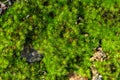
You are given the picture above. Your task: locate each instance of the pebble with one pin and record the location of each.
(31, 55)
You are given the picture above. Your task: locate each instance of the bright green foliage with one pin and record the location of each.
(67, 42)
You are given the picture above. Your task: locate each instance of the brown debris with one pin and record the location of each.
(95, 74)
(5, 5)
(76, 77)
(2, 7)
(99, 55)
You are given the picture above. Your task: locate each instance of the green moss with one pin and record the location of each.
(66, 32)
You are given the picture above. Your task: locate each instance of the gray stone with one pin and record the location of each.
(31, 55)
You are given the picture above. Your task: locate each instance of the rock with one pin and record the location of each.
(31, 55)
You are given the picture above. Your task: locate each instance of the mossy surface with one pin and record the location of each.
(66, 31)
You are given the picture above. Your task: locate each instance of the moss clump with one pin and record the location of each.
(66, 31)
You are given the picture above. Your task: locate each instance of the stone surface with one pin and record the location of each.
(31, 55)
